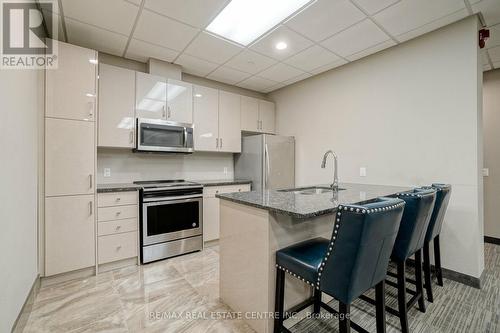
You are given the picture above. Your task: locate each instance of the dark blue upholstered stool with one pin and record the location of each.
(443, 194)
(353, 261)
(410, 240)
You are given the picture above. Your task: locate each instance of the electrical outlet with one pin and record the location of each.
(362, 172)
(486, 172)
(107, 172)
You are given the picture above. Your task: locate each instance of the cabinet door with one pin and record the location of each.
(211, 218)
(69, 157)
(229, 122)
(206, 118)
(249, 114)
(150, 96)
(69, 233)
(116, 107)
(71, 88)
(267, 117)
(179, 101)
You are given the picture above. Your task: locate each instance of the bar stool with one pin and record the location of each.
(443, 194)
(353, 261)
(419, 204)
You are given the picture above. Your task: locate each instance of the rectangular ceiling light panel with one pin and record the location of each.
(243, 21)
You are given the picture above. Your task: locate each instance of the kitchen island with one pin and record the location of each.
(254, 225)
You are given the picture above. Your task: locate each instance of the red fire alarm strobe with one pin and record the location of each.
(484, 34)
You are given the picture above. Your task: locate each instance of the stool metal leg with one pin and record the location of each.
(403, 311)
(418, 280)
(317, 301)
(437, 261)
(427, 273)
(279, 300)
(344, 318)
(380, 306)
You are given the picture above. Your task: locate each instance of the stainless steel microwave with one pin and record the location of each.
(155, 135)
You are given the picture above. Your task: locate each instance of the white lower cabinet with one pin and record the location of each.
(117, 226)
(211, 212)
(69, 233)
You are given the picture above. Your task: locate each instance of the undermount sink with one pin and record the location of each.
(310, 190)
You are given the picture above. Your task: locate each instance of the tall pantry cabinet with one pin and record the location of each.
(70, 160)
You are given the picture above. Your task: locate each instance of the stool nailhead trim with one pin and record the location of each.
(334, 237)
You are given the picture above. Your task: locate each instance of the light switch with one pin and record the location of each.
(362, 172)
(486, 172)
(107, 172)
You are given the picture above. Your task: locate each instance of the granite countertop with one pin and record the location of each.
(303, 206)
(123, 187)
(222, 182)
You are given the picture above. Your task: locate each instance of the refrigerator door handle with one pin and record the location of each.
(266, 152)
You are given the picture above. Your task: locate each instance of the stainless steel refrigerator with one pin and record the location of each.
(267, 160)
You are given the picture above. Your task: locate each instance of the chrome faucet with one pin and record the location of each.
(335, 184)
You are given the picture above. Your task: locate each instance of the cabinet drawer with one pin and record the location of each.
(117, 247)
(212, 191)
(116, 213)
(117, 199)
(117, 227)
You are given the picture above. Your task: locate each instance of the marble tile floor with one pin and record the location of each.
(180, 294)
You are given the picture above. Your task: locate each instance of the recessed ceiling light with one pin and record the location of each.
(243, 21)
(198, 95)
(281, 46)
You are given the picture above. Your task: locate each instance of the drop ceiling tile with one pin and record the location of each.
(325, 18)
(355, 39)
(228, 75)
(114, 15)
(211, 48)
(494, 53)
(280, 73)
(374, 6)
(311, 58)
(95, 38)
(195, 66)
(163, 31)
(329, 66)
(410, 14)
(250, 62)
(496, 64)
(257, 83)
(142, 51)
(273, 88)
(490, 10)
(295, 42)
(434, 25)
(297, 78)
(486, 67)
(371, 50)
(494, 39)
(194, 12)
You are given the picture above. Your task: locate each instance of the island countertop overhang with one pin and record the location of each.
(305, 206)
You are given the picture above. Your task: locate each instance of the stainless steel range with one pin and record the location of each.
(171, 218)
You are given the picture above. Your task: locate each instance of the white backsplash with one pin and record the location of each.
(127, 166)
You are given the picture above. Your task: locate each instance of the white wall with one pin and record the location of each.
(411, 115)
(21, 96)
(128, 167)
(491, 90)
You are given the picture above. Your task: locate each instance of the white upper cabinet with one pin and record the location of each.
(206, 118)
(249, 114)
(71, 88)
(267, 117)
(116, 107)
(179, 101)
(150, 96)
(229, 122)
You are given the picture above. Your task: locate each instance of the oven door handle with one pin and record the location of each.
(181, 197)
